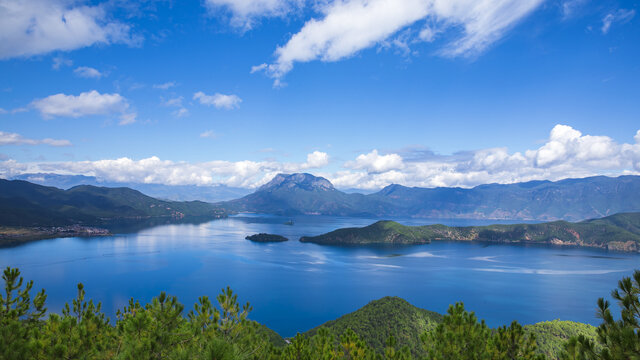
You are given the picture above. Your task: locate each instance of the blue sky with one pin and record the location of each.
(363, 92)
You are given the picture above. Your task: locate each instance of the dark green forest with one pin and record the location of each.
(389, 328)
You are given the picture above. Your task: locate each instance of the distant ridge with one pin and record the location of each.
(25, 204)
(569, 199)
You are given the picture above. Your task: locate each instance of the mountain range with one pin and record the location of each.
(569, 199)
(26, 204)
(211, 194)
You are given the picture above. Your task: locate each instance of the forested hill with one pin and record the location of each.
(389, 316)
(25, 204)
(616, 232)
(569, 199)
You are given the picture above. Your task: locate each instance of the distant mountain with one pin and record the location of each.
(168, 192)
(570, 199)
(617, 232)
(304, 194)
(25, 204)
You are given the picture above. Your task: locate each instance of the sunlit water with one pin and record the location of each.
(294, 286)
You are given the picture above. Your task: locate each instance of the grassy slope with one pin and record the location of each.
(379, 319)
(615, 232)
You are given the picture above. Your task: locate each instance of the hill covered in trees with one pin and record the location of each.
(569, 199)
(617, 232)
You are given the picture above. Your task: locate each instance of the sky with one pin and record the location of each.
(363, 92)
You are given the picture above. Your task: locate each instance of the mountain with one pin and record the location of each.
(617, 232)
(381, 318)
(569, 199)
(304, 194)
(25, 204)
(211, 194)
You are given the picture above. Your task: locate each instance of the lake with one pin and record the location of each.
(294, 286)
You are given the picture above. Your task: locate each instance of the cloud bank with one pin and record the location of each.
(566, 153)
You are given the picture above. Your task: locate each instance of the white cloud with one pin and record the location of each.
(164, 86)
(87, 103)
(621, 16)
(88, 72)
(40, 26)
(245, 12)
(59, 62)
(176, 101)
(375, 163)
(220, 101)
(315, 160)
(128, 118)
(17, 139)
(570, 7)
(182, 112)
(349, 26)
(566, 154)
(209, 134)
(3, 111)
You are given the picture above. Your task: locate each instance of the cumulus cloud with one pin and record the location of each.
(315, 160)
(245, 12)
(41, 26)
(567, 153)
(87, 103)
(88, 72)
(220, 101)
(376, 163)
(349, 26)
(620, 16)
(17, 139)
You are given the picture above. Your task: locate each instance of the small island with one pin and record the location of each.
(266, 238)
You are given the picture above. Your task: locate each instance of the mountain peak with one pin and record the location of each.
(300, 181)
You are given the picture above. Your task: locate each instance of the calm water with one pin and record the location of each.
(294, 286)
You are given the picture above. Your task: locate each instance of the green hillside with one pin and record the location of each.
(616, 232)
(379, 319)
(25, 204)
(551, 335)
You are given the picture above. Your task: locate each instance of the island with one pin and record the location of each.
(619, 232)
(266, 238)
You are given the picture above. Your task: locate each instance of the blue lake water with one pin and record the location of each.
(294, 286)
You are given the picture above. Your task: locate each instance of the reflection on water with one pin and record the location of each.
(294, 286)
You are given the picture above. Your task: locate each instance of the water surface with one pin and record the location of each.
(294, 286)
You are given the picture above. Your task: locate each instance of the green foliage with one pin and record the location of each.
(461, 336)
(552, 335)
(377, 321)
